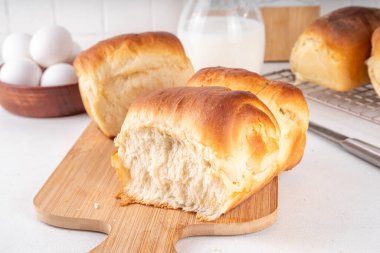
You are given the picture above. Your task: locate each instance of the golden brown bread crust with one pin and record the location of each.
(131, 45)
(374, 62)
(115, 71)
(375, 42)
(235, 125)
(218, 116)
(347, 27)
(332, 51)
(286, 102)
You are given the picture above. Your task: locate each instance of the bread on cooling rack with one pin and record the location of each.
(115, 71)
(374, 62)
(332, 51)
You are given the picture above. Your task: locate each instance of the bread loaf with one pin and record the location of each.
(203, 150)
(374, 62)
(115, 71)
(332, 51)
(285, 101)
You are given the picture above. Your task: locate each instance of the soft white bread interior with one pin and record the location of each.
(332, 51)
(115, 71)
(285, 101)
(203, 150)
(374, 62)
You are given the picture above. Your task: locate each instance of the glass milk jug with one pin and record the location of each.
(227, 33)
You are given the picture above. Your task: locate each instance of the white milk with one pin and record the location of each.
(224, 41)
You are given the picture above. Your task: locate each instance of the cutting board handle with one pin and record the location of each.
(150, 245)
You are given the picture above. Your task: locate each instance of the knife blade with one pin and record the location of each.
(361, 149)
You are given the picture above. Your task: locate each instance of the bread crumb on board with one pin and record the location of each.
(96, 205)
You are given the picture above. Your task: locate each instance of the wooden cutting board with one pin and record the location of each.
(80, 194)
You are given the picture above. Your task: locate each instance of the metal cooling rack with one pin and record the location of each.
(361, 102)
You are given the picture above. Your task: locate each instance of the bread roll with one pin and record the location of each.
(285, 101)
(332, 51)
(203, 150)
(374, 62)
(114, 72)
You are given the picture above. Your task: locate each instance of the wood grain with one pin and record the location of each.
(41, 102)
(283, 25)
(80, 194)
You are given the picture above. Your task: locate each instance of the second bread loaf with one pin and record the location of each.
(115, 71)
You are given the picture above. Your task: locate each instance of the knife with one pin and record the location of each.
(359, 148)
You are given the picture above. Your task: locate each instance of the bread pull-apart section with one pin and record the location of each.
(285, 101)
(203, 150)
(115, 71)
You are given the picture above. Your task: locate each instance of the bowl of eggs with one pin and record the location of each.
(37, 78)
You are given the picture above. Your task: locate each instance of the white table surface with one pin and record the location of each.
(329, 203)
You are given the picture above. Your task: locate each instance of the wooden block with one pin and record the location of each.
(80, 194)
(283, 25)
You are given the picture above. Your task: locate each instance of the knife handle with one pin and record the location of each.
(362, 150)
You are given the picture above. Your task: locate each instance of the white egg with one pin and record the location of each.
(51, 45)
(21, 72)
(74, 52)
(16, 46)
(59, 74)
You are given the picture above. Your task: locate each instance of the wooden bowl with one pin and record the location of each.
(41, 102)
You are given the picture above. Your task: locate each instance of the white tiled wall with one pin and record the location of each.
(89, 20)
(131, 16)
(92, 20)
